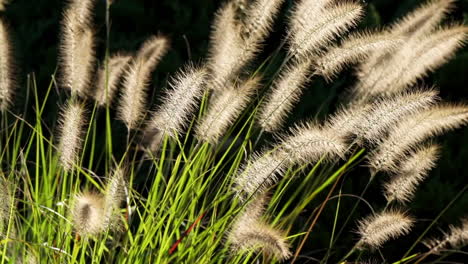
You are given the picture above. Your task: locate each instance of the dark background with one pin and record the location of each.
(35, 26)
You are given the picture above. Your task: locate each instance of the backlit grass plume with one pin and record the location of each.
(106, 86)
(313, 24)
(71, 129)
(308, 143)
(235, 39)
(6, 76)
(305, 144)
(136, 80)
(249, 232)
(224, 108)
(288, 88)
(5, 206)
(88, 214)
(377, 229)
(386, 112)
(260, 172)
(413, 170)
(114, 196)
(414, 129)
(77, 47)
(456, 238)
(286, 91)
(179, 103)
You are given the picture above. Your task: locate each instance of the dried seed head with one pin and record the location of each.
(71, 128)
(114, 197)
(424, 19)
(375, 230)
(286, 92)
(136, 79)
(413, 170)
(386, 112)
(6, 62)
(398, 71)
(260, 172)
(88, 214)
(5, 205)
(457, 237)
(225, 107)
(311, 32)
(178, 105)
(412, 130)
(107, 85)
(355, 48)
(3, 3)
(249, 232)
(77, 56)
(308, 143)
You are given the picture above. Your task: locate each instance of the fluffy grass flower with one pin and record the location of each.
(107, 85)
(377, 229)
(457, 237)
(6, 63)
(71, 128)
(88, 214)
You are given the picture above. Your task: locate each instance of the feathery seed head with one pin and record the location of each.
(77, 55)
(414, 129)
(225, 107)
(308, 143)
(377, 229)
(456, 238)
(107, 85)
(354, 49)
(424, 19)
(261, 171)
(309, 33)
(249, 232)
(115, 195)
(259, 235)
(5, 205)
(88, 214)
(6, 61)
(286, 92)
(71, 128)
(136, 80)
(413, 60)
(385, 112)
(259, 20)
(414, 170)
(179, 103)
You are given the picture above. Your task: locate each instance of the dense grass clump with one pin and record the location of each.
(213, 174)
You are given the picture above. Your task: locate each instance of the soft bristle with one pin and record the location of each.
(377, 229)
(226, 47)
(107, 85)
(308, 143)
(413, 170)
(355, 48)
(136, 79)
(178, 105)
(413, 130)
(77, 55)
(6, 76)
(424, 19)
(388, 111)
(5, 205)
(285, 93)
(224, 109)
(456, 238)
(72, 121)
(258, 20)
(410, 62)
(249, 232)
(88, 214)
(260, 172)
(310, 32)
(114, 197)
